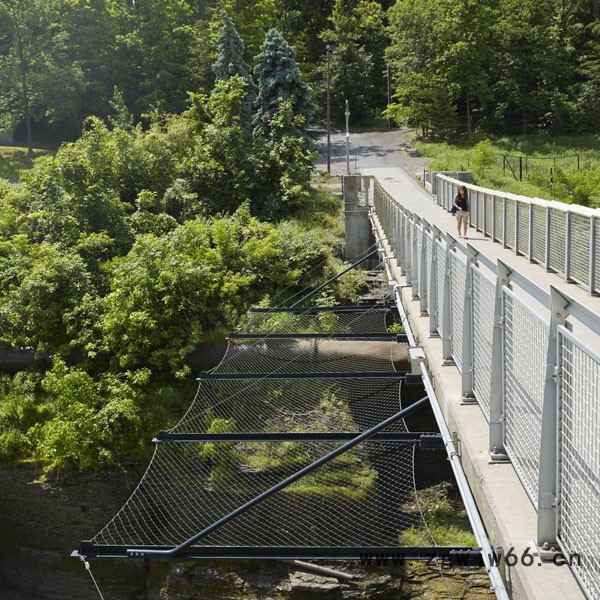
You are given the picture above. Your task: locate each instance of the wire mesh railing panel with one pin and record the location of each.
(498, 212)
(557, 241)
(579, 463)
(511, 223)
(523, 228)
(397, 230)
(480, 199)
(484, 293)
(539, 235)
(579, 248)
(596, 263)
(441, 249)
(525, 348)
(429, 241)
(458, 273)
(489, 214)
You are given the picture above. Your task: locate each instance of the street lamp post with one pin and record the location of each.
(347, 137)
(389, 91)
(329, 48)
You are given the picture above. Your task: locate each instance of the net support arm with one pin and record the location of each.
(143, 552)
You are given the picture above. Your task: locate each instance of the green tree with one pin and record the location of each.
(230, 62)
(285, 165)
(36, 76)
(425, 103)
(219, 169)
(279, 79)
(253, 18)
(531, 63)
(230, 59)
(45, 292)
(357, 34)
(155, 60)
(171, 292)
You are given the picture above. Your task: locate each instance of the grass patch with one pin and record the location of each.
(13, 160)
(445, 517)
(564, 168)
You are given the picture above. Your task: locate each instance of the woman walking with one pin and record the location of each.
(461, 212)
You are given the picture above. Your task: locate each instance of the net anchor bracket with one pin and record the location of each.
(417, 360)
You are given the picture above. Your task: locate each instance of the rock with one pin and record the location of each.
(316, 584)
(413, 152)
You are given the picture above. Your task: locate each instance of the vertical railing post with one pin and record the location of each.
(485, 231)
(494, 227)
(592, 255)
(416, 282)
(504, 223)
(467, 334)
(446, 307)
(567, 246)
(423, 283)
(530, 248)
(547, 514)
(497, 410)
(516, 204)
(433, 287)
(401, 242)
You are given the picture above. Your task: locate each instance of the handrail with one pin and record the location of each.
(537, 385)
(562, 238)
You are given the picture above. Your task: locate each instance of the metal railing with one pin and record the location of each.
(524, 355)
(562, 238)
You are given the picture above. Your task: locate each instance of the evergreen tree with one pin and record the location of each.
(230, 62)
(230, 46)
(279, 80)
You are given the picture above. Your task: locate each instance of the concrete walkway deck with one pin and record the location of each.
(507, 511)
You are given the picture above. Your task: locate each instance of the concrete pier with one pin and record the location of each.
(359, 237)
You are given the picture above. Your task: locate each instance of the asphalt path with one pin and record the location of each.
(373, 149)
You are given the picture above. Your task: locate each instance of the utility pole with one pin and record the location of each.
(389, 91)
(347, 137)
(329, 48)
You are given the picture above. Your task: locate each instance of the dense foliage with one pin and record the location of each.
(60, 60)
(562, 168)
(510, 66)
(127, 248)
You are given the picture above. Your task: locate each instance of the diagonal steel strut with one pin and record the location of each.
(335, 277)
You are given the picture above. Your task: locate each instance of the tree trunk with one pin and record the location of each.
(596, 9)
(202, 9)
(24, 86)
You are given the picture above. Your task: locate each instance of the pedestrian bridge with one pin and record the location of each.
(510, 329)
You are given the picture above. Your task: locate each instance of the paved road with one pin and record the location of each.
(367, 150)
